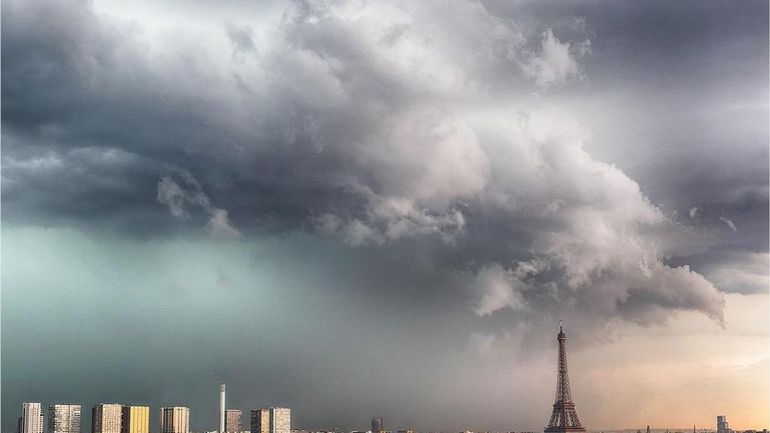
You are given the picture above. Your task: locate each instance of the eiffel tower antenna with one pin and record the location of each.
(564, 418)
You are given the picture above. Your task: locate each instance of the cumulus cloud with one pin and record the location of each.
(597, 244)
(379, 124)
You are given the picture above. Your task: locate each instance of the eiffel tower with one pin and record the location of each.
(564, 418)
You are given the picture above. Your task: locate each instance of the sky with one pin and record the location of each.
(361, 208)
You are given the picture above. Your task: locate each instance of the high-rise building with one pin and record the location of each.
(722, 425)
(31, 419)
(280, 420)
(233, 421)
(136, 419)
(175, 419)
(64, 418)
(273, 420)
(106, 418)
(260, 421)
(376, 424)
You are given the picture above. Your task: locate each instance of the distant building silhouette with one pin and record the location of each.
(722, 425)
(377, 424)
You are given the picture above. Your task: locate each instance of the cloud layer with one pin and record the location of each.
(371, 122)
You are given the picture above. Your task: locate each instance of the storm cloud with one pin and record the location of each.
(388, 115)
(434, 133)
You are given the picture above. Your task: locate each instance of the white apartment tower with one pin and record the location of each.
(175, 419)
(280, 420)
(106, 418)
(64, 418)
(31, 419)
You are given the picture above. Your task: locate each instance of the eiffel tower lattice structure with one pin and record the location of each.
(564, 418)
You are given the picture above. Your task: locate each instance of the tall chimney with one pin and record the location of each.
(222, 408)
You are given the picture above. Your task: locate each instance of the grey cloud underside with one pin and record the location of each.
(380, 125)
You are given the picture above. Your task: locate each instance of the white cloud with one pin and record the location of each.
(597, 242)
(555, 64)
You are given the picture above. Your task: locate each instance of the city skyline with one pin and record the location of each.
(65, 418)
(383, 208)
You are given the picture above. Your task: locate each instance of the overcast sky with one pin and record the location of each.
(380, 208)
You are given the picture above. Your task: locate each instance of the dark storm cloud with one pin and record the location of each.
(362, 122)
(91, 128)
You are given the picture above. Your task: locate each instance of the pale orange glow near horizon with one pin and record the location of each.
(683, 374)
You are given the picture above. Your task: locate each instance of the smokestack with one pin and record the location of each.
(222, 408)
